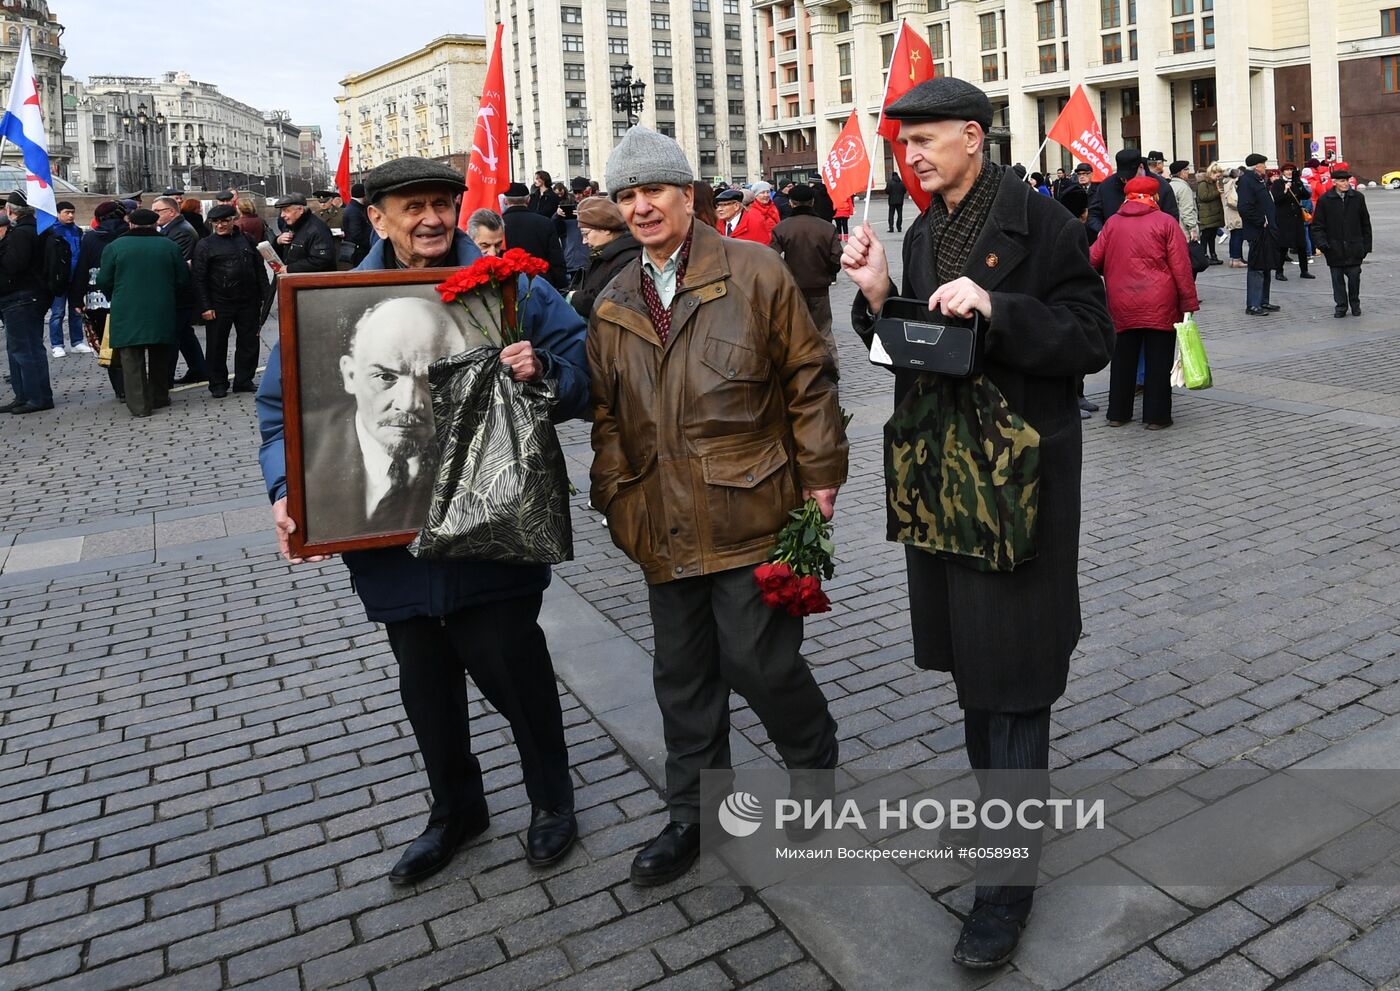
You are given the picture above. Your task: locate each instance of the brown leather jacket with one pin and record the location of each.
(702, 447)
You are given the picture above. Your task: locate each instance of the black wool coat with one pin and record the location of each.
(1007, 636)
(535, 235)
(1341, 228)
(616, 255)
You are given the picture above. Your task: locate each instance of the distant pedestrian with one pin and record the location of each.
(488, 232)
(705, 211)
(1146, 266)
(1211, 210)
(1230, 203)
(894, 194)
(307, 244)
(142, 274)
(812, 251)
(575, 251)
(782, 199)
(611, 248)
(66, 229)
(841, 216)
(1109, 194)
(109, 223)
(739, 221)
(1341, 229)
(252, 226)
(1289, 192)
(194, 215)
(533, 231)
(229, 282)
(357, 231)
(1260, 225)
(1188, 211)
(763, 209)
(542, 198)
(23, 303)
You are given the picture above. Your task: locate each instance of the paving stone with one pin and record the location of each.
(713, 936)
(1376, 955)
(623, 974)
(761, 956)
(1211, 935)
(430, 972)
(1234, 973)
(1293, 944)
(526, 973)
(623, 935)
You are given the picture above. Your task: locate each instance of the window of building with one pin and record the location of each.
(843, 21)
(886, 11)
(731, 32)
(1390, 21)
(617, 18)
(702, 56)
(734, 57)
(661, 49)
(846, 94)
(705, 108)
(576, 157)
(573, 42)
(789, 74)
(705, 80)
(665, 101)
(571, 15)
(1184, 37)
(1207, 6)
(707, 132)
(935, 5)
(1132, 12)
(575, 100)
(736, 132)
(666, 127)
(707, 158)
(1112, 48)
(1202, 94)
(886, 48)
(617, 46)
(1207, 32)
(663, 77)
(576, 129)
(1390, 74)
(661, 22)
(573, 72)
(1047, 59)
(702, 29)
(739, 157)
(1131, 105)
(1182, 7)
(701, 6)
(731, 6)
(1110, 13)
(1045, 20)
(1132, 45)
(937, 40)
(735, 82)
(1290, 145)
(620, 128)
(987, 26)
(736, 108)
(989, 69)
(794, 108)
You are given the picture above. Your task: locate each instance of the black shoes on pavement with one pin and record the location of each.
(668, 856)
(433, 850)
(1087, 406)
(550, 836)
(1256, 311)
(1271, 307)
(1280, 277)
(1307, 275)
(19, 408)
(1356, 309)
(190, 378)
(990, 935)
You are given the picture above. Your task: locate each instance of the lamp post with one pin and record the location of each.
(204, 150)
(145, 125)
(629, 94)
(516, 137)
(274, 151)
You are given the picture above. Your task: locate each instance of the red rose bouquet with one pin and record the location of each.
(792, 578)
(501, 275)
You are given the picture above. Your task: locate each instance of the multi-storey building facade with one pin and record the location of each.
(17, 17)
(110, 152)
(696, 60)
(1196, 79)
(423, 104)
(284, 146)
(787, 89)
(312, 152)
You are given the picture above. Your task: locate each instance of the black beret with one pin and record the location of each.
(225, 197)
(143, 218)
(402, 173)
(517, 190)
(1253, 160)
(1178, 165)
(944, 98)
(1340, 174)
(730, 196)
(578, 183)
(802, 194)
(1083, 167)
(220, 212)
(291, 199)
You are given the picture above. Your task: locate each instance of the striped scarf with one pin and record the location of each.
(661, 315)
(953, 235)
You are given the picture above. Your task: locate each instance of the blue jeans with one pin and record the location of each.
(75, 323)
(1237, 244)
(23, 313)
(1256, 289)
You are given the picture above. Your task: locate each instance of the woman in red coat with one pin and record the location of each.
(843, 216)
(1146, 267)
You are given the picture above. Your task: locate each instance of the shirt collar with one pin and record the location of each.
(671, 263)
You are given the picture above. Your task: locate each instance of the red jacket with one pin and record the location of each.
(749, 227)
(845, 209)
(1146, 268)
(767, 213)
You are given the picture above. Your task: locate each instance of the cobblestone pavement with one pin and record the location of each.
(206, 773)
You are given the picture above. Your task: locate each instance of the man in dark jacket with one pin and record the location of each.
(83, 294)
(812, 251)
(1108, 195)
(23, 303)
(62, 309)
(535, 233)
(357, 230)
(895, 192)
(229, 282)
(306, 245)
(988, 245)
(1341, 229)
(443, 616)
(182, 232)
(1259, 221)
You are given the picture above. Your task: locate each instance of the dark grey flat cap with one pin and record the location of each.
(291, 199)
(945, 98)
(405, 172)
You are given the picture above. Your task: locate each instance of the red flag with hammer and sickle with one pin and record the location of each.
(846, 170)
(488, 168)
(910, 64)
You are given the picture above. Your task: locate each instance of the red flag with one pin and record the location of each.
(342, 171)
(1077, 128)
(911, 63)
(846, 170)
(488, 168)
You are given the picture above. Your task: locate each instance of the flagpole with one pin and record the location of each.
(889, 71)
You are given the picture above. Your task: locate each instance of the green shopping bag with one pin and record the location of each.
(1195, 368)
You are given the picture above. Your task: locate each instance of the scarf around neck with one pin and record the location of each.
(952, 235)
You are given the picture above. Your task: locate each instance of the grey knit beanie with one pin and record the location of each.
(643, 156)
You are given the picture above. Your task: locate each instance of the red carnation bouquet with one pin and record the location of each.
(792, 578)
(501, 275)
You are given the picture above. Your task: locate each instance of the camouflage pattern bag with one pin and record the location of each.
(962, 474)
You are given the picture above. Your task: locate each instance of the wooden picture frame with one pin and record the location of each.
(345, 435)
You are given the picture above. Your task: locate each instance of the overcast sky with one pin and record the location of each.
(273, 54)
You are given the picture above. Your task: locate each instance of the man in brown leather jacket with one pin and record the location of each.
(812, 251)
(715, 414)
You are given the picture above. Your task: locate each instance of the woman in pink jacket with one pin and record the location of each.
(1147, 273)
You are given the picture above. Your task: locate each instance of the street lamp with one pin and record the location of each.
(204, 150)
(629, 95)
(145, 125)
(516, 136)
(274, 150)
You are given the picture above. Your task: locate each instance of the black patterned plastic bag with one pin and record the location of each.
(502, 492)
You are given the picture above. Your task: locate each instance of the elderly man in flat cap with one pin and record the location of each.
(988, 245)
(714, 416)
(306, 243)
(534, 233)
(448, 619)
(1259, 220)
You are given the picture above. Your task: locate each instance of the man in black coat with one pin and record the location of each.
(229, 281)
(355, 225)
(173, 225)
(1259, 221)
(989, 245)
(307, 244)
(1109, 195)
(534, 233)
(23, 302)
(1341, 229)
(812, 251)
(894, 193)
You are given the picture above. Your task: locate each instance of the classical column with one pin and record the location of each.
(1235, 105)
(1326, 84)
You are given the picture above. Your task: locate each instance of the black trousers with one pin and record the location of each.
(1156, 387)
(1017, 745)
(500, 644)
(1346, 286)
(186, 345)
(243, 319)
(842, 225)
(714, 635)
(143, 375)
(1300, 245)
(897, 216)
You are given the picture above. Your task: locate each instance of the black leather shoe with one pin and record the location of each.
(1256, 311)
(219, 393)
(550, 836)
(31, 408)
(20, 402)
(1087, 406)
(1339, 314)
(190, 378)
(1271, 307)
(668, 856)
(433, 850)
(1307, 275)
(1280, 277)
(989, 937)
(1356, 311)
(245, 387)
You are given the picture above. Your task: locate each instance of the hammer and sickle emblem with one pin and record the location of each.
(913, 63)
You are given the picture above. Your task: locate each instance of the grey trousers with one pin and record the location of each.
(714, 635)
(1017, 742)
(819, 306)
(144, 369)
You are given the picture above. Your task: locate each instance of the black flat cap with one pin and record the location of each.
(357, 191)
(944, 98)
(220, 212)
(291, 199)
(1255, 159)
(517, 190)
(1178, 165)
(225, 197)
(730, 196)
(1083, 167)
(1076, 201)
(143, 218)
(402, 173)
(1128, 158)
(325, 194)
(802, 194)
(17, 199)
(578, 184)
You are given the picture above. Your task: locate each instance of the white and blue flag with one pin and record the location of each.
(23, 127)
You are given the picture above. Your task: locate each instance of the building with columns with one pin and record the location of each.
(787, 90)
(1199, 80)
(33, 16)
(695, 61)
